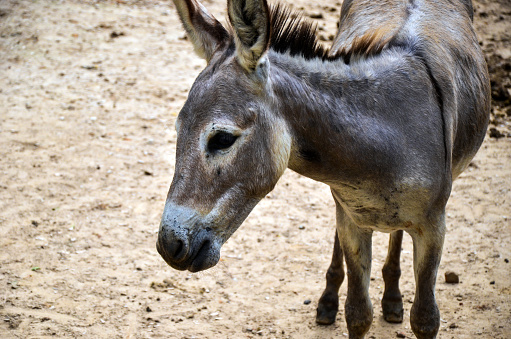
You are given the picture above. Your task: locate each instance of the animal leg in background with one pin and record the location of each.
(328, 304)
(392, 302)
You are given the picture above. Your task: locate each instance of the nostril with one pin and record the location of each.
(205, 244)
(171, 247)
(178, 248)
(204, 248)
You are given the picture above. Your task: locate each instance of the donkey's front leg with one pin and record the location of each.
(356, 246)
(392, 302)
(328, 304)
(427, 251)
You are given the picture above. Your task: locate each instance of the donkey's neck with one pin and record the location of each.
(333, 115)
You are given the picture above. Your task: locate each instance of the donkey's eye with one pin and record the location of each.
(221, 140)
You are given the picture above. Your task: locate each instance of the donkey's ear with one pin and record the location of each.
(251, 22)
(204, 31)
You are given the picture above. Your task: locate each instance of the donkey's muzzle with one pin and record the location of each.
(194, 254)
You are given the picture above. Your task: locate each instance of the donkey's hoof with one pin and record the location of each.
(393, 317)
(393, 312)
(325, 317)
(327, 311)
(328, 306)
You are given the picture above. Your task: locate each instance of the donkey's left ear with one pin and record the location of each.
(251, 22)
(203, 30)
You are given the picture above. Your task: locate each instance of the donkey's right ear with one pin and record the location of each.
(204, 31)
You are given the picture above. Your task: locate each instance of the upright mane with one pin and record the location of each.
(292, 33)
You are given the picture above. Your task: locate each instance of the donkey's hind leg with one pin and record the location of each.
(392, 302)
(328, 304)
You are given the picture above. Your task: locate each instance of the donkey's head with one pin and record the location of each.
(231, 149)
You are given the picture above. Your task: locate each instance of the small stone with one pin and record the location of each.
(114, 34)
(453, 325)
(495, 133)
(451, 277)
(317, 15)
(148, 309)
(307, 302)
(400, 335)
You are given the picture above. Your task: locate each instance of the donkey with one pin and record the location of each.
(388, 116)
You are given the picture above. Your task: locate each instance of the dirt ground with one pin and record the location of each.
(89, 93)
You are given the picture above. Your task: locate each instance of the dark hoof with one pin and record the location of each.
(429, 332)
(328, 306)
(425, 320)
(393, 311)
(325, 317)
(327, 309)
(393, 317)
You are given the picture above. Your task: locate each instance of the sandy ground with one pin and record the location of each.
(89, 92)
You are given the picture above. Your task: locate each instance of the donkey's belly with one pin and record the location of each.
(386, 210)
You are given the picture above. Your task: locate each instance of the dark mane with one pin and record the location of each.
(292, 33)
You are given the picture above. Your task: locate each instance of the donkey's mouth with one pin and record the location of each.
(205, 256)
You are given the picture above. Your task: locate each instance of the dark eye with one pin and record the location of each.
(221, 140)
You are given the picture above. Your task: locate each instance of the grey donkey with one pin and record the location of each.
(388, 116)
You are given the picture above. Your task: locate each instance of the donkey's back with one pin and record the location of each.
(441, 33)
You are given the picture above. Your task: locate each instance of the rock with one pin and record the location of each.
(317, 15)
(451, 277)
(115, 34)
(495, 133)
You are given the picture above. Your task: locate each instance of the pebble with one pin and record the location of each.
(307, 302)
(451, 277)
(316, 15)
